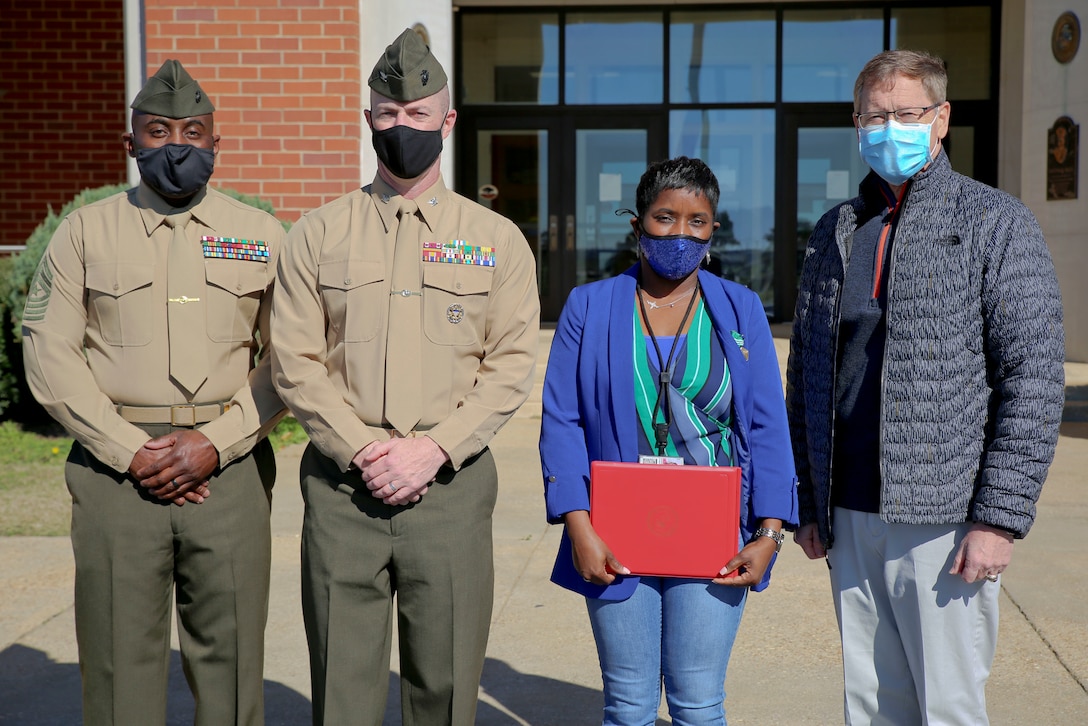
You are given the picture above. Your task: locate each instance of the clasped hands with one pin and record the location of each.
(399, 471)
(176, 467)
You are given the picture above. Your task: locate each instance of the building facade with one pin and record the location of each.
(562, 104)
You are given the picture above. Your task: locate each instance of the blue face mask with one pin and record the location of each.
(673, 257)
(896, 151)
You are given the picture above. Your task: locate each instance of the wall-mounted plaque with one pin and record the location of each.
(1065, 39)
(1061, 159)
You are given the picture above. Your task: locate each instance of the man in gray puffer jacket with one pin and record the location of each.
(925, 387)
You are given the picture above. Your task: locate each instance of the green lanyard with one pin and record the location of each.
(661, 430)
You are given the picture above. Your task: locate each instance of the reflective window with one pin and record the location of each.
(614, 58)
(510, 59)
(608, 165)
(739, 147)
(824, 50)
(959, 36)
(959, 144)
(512, 179)
(829, 170)
(721, 57)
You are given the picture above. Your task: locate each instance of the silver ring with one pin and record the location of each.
(174, 483)
(392, 487)
(991, 578)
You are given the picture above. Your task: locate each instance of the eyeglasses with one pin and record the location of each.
(910, 115)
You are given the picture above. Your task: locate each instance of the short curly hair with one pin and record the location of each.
(678, 173)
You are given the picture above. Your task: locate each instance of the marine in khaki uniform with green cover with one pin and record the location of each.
(406, 320)
(141, 332)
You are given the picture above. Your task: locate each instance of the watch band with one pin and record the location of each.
(778, 537)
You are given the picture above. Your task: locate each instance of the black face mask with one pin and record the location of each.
(176, 171)
(407, 152)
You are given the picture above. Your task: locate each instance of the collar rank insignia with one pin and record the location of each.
(459, 252)
(231, 248)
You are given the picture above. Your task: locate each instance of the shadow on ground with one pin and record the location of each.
(37, 691)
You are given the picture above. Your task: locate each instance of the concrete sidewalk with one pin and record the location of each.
(541, 667)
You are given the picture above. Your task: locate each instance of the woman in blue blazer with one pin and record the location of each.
(722, 405)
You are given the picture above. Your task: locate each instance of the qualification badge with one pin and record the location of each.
(455, 313)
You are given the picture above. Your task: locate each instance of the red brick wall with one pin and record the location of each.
(284, 78)
(62, 100)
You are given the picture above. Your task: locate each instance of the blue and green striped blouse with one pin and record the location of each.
(701, 398)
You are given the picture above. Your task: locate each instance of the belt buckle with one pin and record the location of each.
(190, 408)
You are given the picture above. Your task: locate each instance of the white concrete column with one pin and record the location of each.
(379, 25)
(135, 68)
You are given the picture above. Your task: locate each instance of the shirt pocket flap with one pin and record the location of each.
(458, 279)
(349, 274)
(236, 277)
(117, 279)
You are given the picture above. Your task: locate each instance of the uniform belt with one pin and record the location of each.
(185, 414)
(417, 431)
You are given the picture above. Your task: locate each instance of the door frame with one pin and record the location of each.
(786, 254)
(561, 125)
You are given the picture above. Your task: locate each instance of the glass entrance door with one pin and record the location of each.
(562, 181)
(822, 167)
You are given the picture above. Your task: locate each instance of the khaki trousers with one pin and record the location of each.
(917, 642)
(132, 553)
(435, 556)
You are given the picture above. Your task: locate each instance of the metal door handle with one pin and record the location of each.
(553, 233)
(570, 233)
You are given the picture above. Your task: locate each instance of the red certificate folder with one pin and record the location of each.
(666, 520)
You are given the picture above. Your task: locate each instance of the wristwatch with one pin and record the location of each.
(778, 537)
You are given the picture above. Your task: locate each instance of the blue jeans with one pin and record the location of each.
(671, 629)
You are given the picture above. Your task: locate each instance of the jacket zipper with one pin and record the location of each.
(886, 232)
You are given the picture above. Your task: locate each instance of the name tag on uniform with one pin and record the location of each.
(232, 248)
(459, 252)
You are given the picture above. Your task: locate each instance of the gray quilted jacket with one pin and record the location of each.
(973, 381)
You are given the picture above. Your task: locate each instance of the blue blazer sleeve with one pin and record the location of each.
(564, 453)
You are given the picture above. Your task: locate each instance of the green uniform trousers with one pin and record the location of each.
(132, 551)
(435, 555)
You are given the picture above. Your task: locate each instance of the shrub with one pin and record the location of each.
(17, 273)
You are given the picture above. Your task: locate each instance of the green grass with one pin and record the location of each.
(287, 432)
(33, 498)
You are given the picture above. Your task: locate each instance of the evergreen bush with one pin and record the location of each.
(17, 273)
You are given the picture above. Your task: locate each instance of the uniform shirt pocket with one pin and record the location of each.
(455, 302)
(234, 292)
(355, 297)
(119, 302)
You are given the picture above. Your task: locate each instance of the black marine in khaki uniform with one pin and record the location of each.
(406, 321)
(140, 336)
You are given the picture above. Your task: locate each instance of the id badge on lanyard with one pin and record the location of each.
(670, 460)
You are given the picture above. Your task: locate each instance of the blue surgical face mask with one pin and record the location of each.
(673, 257)
(896, 151)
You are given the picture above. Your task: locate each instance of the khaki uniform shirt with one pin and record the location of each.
(480, 323)
(95, 329)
